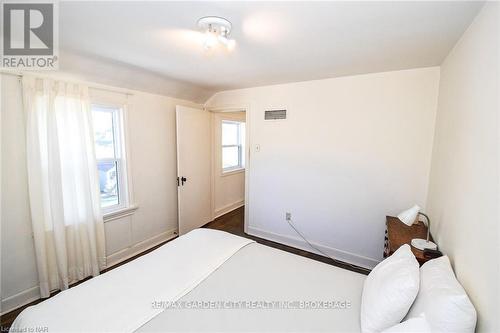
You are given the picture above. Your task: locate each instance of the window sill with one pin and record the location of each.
(118, 214)
(232, 172)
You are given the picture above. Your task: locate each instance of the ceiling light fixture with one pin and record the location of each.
(217, 31)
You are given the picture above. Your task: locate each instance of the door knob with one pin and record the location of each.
(183, 180)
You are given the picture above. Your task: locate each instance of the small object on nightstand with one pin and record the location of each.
(399, 233)
(431, 254)
(409, 217)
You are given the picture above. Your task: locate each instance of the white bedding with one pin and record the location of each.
(206, 265)
(121, 300)
(261, 273)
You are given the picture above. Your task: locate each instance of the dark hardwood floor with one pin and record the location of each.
(231, 222)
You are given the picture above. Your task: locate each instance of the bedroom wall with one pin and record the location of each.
(352, 150)
(152, 160)
(229, 189)
(463, 196)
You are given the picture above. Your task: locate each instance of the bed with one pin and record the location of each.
(207, 281)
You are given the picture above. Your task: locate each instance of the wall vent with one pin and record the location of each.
(275, 114)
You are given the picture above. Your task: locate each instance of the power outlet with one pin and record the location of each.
(288, 216)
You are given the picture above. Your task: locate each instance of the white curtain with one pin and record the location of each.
(63, 183)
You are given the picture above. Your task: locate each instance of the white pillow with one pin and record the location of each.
(389, 291)
(414, 325)
(442, 299)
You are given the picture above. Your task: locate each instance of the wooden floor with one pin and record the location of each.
(231, 222)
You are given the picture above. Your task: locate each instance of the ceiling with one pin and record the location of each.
(154, 46)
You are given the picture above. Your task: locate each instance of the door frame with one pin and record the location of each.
(248, 162)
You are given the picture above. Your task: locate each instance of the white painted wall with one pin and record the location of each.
(152, 160)
(229, 188)
(463, 199)
(352, 150)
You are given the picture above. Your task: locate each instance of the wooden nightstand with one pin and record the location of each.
(399, 233)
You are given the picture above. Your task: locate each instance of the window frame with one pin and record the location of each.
(120, 150)
(241, 165)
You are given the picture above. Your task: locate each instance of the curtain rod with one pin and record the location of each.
(21, 75)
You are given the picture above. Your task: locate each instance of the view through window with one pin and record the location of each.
(109, 151)
(233, 145)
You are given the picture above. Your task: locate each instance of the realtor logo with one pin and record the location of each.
(29, 35)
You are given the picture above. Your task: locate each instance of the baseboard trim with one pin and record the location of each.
(299, 243)
(20, 299)
(137, 248)
(228, 208)
(32, 294)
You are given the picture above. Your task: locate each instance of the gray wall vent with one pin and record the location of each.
(275, 114)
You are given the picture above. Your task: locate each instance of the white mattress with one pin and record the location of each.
(206, 268)
(260, 273)
(121, 299)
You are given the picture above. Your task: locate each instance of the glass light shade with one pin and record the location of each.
(228, 43)
(210, 40)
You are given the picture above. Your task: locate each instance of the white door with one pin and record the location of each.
(193, 168)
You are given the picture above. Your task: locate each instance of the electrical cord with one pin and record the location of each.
(323, 253)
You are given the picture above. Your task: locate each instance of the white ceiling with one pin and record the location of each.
(154, 46)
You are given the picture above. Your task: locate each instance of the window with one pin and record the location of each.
(233, 145)
(109, 150)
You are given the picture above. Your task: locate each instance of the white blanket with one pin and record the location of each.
(123, 299)
(259, 273)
